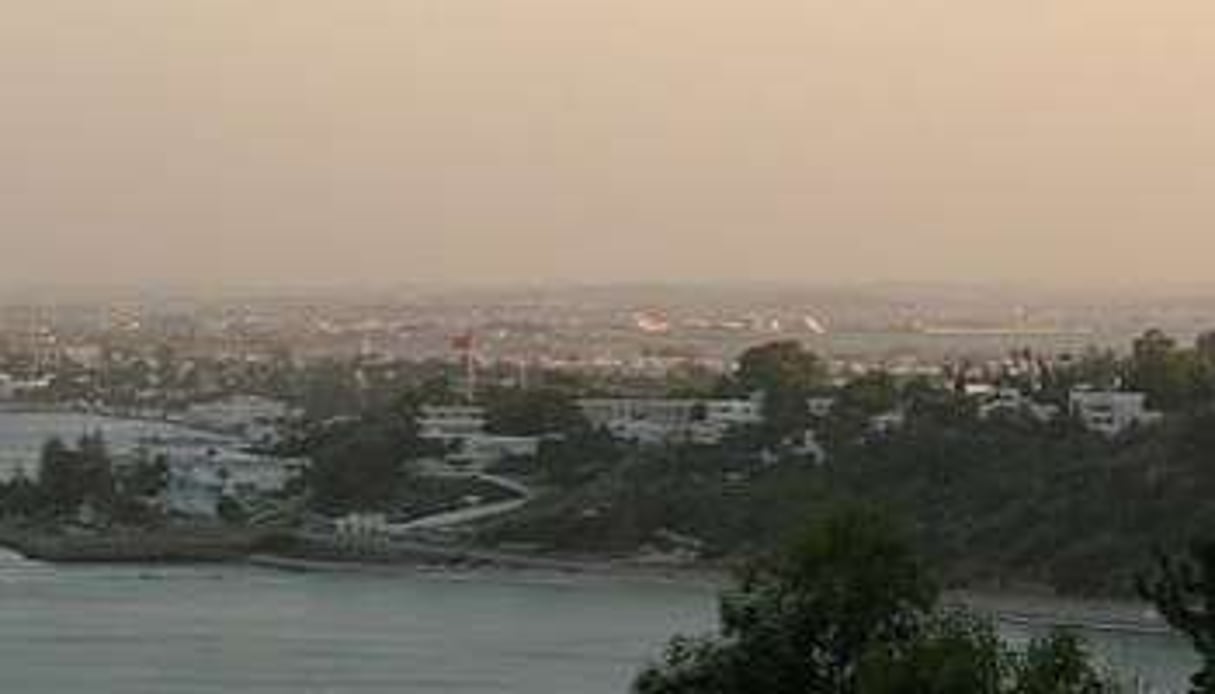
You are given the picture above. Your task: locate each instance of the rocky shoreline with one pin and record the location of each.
(316, 553)
(313, 552)
(134, 546)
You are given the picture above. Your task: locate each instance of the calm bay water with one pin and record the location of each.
(202, 630)
(223, 629)
(234, 629)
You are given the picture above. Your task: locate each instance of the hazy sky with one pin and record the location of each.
(401, 140)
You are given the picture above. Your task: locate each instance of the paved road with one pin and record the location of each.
(468, 515)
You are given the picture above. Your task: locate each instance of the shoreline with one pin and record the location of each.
(177, 545)
(1021, 609)
(311, 552)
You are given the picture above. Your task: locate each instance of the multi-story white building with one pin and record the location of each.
(1112, 412)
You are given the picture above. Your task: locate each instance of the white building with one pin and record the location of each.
(887, 422)
(251, 416)
(983, 390)
(461, 428)
(12, 388)
(89, 356)
(820, 407)
(719, 417)
(450, 423)
(355, 525)
(1112, 412)
(198, 480)
(482, 450)
(1010, 401)
(654, 421)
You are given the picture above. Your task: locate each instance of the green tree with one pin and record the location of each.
(1058, 663)
(329, 389)
(785, 364)
(1204, 346)
(1096, 368)
(60, 478)
(787, 374)
(360, 466)
(803, 620)
(955, 653)
(847, 609)
(19, 497)
(97, 470)
(856, 403)
(533, 412)
(145, 476)
(1162, 371)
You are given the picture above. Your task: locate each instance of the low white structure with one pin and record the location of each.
(653, 421)
(482, 450)
(462, 430)
(197, 481)
(983, 390)
(887, 422)
(715, 418)
(820, 406)
(450, 423)
(251, 416)
(354, 525)
(13, 388)
(1010, 401)
(1112, 412)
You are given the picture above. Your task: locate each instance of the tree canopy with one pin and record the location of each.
(786, 373)
(846, 608)
(1183, 590)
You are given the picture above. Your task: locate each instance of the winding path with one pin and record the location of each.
(464, 516)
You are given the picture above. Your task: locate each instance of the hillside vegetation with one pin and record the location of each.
(1003, 501)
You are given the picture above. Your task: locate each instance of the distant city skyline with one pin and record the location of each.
(388, 142)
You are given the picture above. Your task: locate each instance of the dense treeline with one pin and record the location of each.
(1005, 499)
(1002, 500)
(847, 608)
(82, 483)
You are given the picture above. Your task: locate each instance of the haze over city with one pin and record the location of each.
(606, 346)
(319, 141)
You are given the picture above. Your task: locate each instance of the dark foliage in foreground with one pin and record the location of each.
(1183, 590)
(847, 609)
